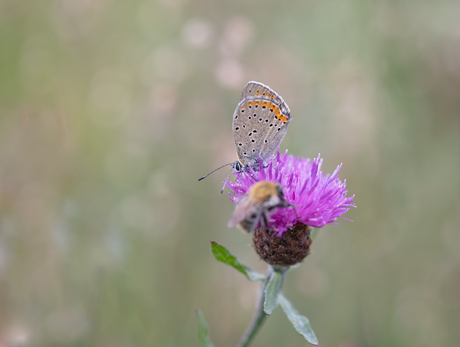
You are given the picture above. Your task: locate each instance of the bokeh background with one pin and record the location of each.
(110, 111)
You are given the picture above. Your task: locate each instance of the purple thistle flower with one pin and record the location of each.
(318, 199)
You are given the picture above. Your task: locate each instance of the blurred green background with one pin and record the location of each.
(110, 111)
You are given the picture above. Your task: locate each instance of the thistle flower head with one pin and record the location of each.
(319, 199)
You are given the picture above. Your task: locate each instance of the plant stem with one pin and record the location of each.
(259, 316)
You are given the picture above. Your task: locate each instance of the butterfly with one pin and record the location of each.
(259, 125)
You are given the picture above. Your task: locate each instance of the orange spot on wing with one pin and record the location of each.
(282, 118)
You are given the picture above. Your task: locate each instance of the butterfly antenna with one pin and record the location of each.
(225, 180)
(202, 178)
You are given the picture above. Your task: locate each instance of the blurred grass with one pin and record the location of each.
(110, 111)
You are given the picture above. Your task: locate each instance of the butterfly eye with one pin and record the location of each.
(238, 166)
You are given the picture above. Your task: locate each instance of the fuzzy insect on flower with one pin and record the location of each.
(318, 199)
(255, 207)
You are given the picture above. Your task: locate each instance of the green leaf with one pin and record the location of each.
(300, 323)
(203, 330)
(223, 255)
(272, 290)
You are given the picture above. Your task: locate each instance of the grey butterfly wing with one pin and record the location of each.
(241, 128)
(257, 89)
(258, 127)
(273, 136)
